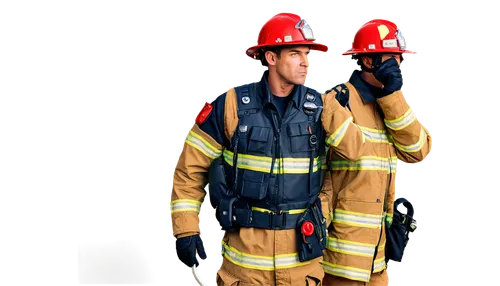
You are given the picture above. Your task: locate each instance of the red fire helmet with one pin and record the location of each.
(286, 27)
(378, 34)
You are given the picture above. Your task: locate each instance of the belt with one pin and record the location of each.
(268, 220)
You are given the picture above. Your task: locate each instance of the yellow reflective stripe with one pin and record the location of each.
(185, 206)
(357, 219)
(336, 137)
(347, 272)
(369, 163)
(388, 218)
(379, 265)
(246, 260)
(375, 135)
(350, 247)
(281, 166)
(381, 247)
(414, 147)
(297, 211)
(261, 262)
(324, 165)
(402, 121)
(202, 145)
(262, 210)
(363, 137)
(250, 162)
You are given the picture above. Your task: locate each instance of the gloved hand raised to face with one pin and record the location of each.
(187, 247)
(389, 74)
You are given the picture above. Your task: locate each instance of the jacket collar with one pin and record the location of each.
(364, 89)
(264, 92)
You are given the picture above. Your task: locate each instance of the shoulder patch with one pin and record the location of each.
(204, 113)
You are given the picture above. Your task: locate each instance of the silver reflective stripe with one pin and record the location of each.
(338, 135)
(247, 261)
(281, 166)
(379, 265)
(350, 247)
(374, 135)
(357, 219)
(346, 272)
(414, 147)
(288, 261)
(372, 163)
(401, 122)
(185, 206)
(260, 262)
(202, 145)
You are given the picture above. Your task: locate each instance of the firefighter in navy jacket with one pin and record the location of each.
(260, 148)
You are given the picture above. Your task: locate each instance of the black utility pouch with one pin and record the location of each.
(311, 232)
(404, 225)
(221, 196)
(225, 214)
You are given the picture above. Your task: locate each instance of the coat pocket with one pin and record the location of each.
(315, 277)
(313, 281)
(299, 137)
(254, 184)
(224, 279)
(260, 141)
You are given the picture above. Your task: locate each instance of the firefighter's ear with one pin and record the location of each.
(367, 61)
(271, 58)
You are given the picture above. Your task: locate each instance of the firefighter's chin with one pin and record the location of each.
(301, 78)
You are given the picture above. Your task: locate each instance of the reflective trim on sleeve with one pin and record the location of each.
(347, 272)
(336, 137)
(350, 247)
(185, 206)
(379, 265)
(402, 121)
(374, 135)
(202, 145)
(357, 219)
(414, 147)
(368, 163)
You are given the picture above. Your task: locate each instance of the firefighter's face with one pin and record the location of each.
(397, 57)
(292, 64)
(368, 61)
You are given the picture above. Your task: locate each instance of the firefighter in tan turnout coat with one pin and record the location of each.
(365, 172)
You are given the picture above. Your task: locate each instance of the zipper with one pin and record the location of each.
(277, 155)
(382, 221)
(289, 104)
(384, 202)
(384, 209)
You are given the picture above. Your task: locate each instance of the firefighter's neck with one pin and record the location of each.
(278, 85)
(370, 78)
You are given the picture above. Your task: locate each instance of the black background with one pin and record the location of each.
(141, 74)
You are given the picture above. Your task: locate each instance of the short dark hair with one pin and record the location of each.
(360, 62)
(261, 55)
(374, 56)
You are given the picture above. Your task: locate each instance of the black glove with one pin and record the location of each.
(187, 247)
(389, 74)
(342, 94)
(343, 97)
